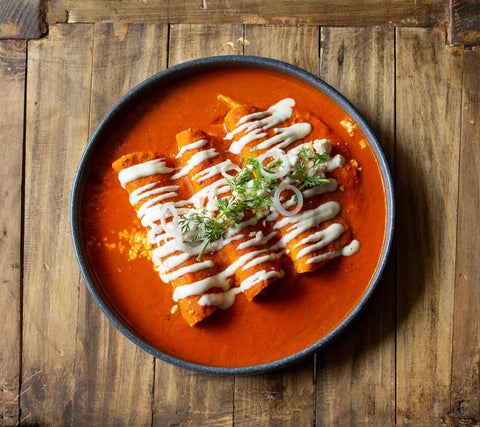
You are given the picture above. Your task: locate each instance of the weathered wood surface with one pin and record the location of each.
(413, 356)
(319, 12)
(465, 396)
(114, 378)
(352, 371)
(12, 78)
(22, 19)
(428, 121)
(464, 22)
(58, 94)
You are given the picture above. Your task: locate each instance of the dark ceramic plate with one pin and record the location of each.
(163, 80)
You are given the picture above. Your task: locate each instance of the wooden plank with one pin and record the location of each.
(114, 378)
(464, 22)
(356, 374)
(183, 397)
(12, 76)
(428, 133)
(59, 78)
(285, 397)
(22, 19)
(321, 12)
(465, 403)
(282, 43)
(190, 41)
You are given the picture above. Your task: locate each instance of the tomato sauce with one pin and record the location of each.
(298, 310)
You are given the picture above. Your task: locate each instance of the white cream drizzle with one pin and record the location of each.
(193, 146)
(152, 210)
(218, 280)
(320, 239)
(226, 299)
(142, 170)
(192, 268)
(258, 240)
(142, 193)
(352, 248)
(286, 136)
(261, 260)
(195, 160)
(223, 300)
(255, 125)
(219, 168)
(306, 220)
(260, 276)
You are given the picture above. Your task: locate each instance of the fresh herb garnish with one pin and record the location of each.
(308, 160)
(251, 195)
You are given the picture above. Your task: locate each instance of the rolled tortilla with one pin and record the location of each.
(261, 264)
(147, 178)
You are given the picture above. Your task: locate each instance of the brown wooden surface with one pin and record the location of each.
(350, 372)
(413, 356)
(12, 78)
(319, 12)
(465, 397)
(428, 105)
(22, 19)
(464, 22)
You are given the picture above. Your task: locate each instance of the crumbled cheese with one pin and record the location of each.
(322, 146)
(355, 164)
(349, 126)
(137, 242)
(362, 144)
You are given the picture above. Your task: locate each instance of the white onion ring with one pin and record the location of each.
(284, 168)
(172, 226)
(278, 204)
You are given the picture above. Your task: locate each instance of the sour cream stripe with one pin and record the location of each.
(195, 160)
(352, 248)
(320, 239)
(142, 170)
(143, 192)
(218, 281)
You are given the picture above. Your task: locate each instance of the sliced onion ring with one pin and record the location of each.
(172, 226)
(277, 155)
(278, 205)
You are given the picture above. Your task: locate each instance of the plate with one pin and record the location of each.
(141, 96)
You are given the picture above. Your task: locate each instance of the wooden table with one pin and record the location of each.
(412, 69)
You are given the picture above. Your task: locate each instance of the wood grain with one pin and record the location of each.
(12, 78)
(59, 78)
(285, 397)
(465, 398)
(183, 397)
(428, 100)
(191, 41)
(298, 45)
(318, 12)
(464, 23)
(114, 378)
(22, 19)
(356, 374)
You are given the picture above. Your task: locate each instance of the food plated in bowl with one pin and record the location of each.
(232, 214)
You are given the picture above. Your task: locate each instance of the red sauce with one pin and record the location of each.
(296, 312)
